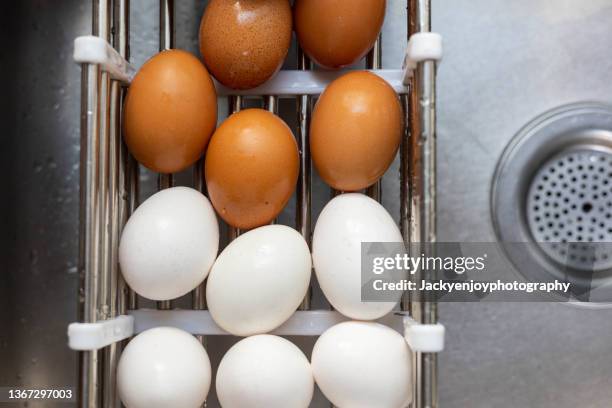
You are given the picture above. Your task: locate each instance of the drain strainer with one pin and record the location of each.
(569, 208)
(551, 200)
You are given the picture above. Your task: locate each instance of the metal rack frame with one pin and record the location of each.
(109, 191)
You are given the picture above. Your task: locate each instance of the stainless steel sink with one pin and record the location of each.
(505, 63)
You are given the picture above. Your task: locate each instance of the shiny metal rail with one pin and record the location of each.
(303, 218)
(110, 185)
(374, 61)
(94, 102)
(419, 222)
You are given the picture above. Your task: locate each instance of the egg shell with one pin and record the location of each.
(169, 244)
(264, 371)
(337, 33)
(170, 112)
(355, 131)
(244, 43)
(163, 367)
(251, 168)
(363, 365)
(259, 280)
(345, 222)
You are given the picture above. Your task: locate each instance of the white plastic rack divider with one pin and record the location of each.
(421, 47)
(93, 336)
(427, 338)
(90, 49)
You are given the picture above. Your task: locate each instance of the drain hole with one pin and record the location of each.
(580, 221)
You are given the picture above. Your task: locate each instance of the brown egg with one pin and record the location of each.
(251, 168)
(244, 42)
(170, 112)
(337, 33)
(355, 131)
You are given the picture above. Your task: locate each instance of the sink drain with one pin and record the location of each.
(552, 195)
(569, 208)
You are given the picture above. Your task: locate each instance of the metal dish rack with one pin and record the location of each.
(109, 312)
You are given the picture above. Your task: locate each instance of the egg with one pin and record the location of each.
(163, 367)
(259, 280)
(355, 131)
(337, 33)
(363, 365)
(169, 244)
(264, 371)
(244, 42)
(170, 112)
(345, 222)
(251, 168)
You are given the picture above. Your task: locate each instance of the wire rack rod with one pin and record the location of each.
(422, 197)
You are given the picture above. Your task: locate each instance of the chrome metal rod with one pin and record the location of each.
(198, 296)
(109, 397)
(166, 24)
(235, 105)
(127, 177)
(117, 212)
(405, 213)
(89, 228)
(374, 61)
(303, 194)
(91, 215)
(422, 163)
(166, 41)
(104, 197)
(271, 103)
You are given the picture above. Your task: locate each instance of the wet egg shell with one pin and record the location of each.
(337, 33)
(163, 367)
(363, 365)
(345, 222)
(244, 42)
(251, 168)
(264, 371)
(355, 131)
(170, 112)
(169, 244)
(259, 280)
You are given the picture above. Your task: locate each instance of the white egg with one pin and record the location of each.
(363, 365)
(163, 367)
(259, 280)
(264, 371)
(169, 244)
(346, 222)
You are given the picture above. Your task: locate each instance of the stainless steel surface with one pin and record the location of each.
(39, 153)
(506, 62)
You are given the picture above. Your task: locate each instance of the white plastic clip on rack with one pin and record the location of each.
(105, 68)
